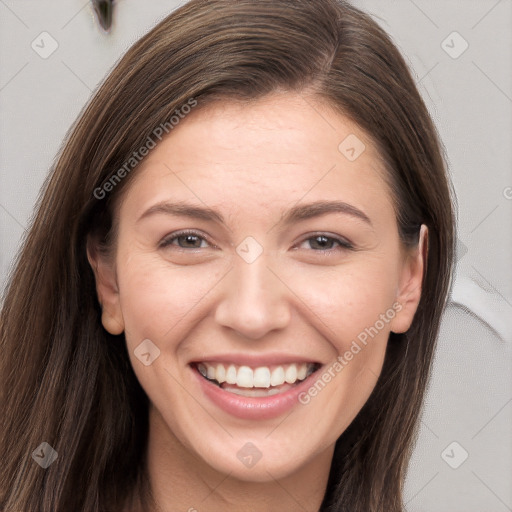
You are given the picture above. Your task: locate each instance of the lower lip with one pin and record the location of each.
(261, 408)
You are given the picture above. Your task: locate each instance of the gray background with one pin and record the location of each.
(463, 457)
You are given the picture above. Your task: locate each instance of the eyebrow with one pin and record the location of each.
(295, 214)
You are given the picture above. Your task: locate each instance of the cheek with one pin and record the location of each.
(156, 296)
(349, 300)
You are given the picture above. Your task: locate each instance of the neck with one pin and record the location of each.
(180, 481)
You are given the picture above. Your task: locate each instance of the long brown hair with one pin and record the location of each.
(65, 381)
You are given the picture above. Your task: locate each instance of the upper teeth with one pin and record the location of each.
(260, 377)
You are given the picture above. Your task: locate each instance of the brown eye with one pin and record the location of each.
(323, 242)
(185, 240)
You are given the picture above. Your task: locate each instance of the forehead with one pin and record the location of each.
(278, 150)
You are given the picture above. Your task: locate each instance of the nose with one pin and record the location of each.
(254, 300)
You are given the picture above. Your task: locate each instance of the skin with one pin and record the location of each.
(252, 162)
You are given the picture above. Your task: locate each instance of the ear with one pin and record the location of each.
(106, 288)
(410, 286)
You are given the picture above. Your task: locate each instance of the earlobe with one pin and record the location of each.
(106, 289)
(111, 323)
(410, 287)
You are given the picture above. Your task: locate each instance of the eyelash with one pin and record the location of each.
(342, 243)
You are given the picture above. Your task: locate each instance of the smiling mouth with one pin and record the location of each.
(262, 381)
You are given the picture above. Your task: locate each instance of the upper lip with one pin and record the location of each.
(255, 360)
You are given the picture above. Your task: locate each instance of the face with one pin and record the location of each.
(257, 275)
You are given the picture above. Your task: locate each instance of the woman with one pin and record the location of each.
(231, 290)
